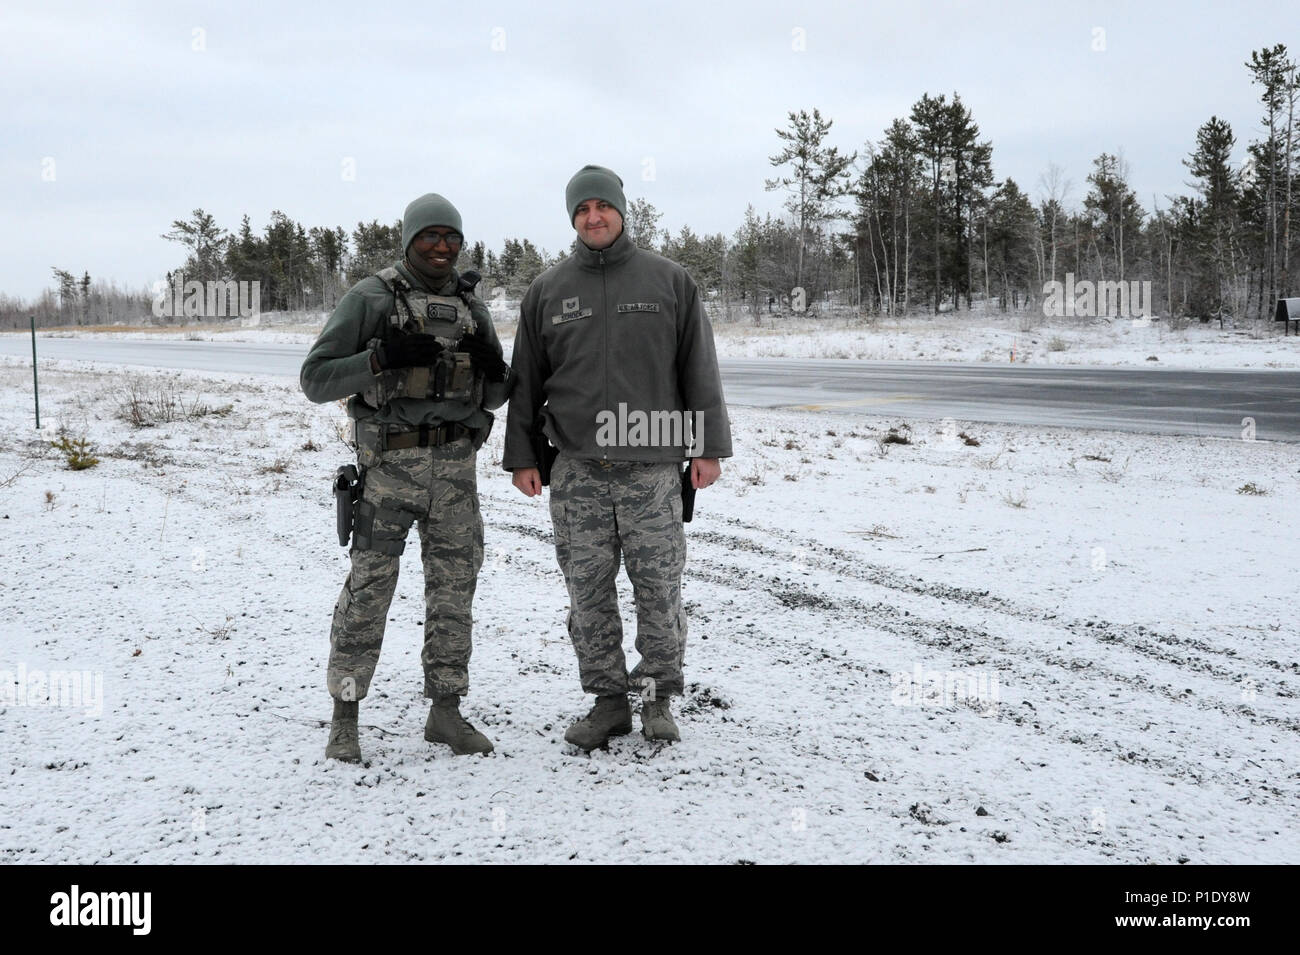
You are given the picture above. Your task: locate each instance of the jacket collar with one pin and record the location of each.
(419, 282)
(619, 252)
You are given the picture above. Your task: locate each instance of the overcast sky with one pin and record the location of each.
(119, 118)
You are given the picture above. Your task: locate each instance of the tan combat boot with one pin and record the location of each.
(657, 720)
(344, 743)
(446, 725)
(611, 716)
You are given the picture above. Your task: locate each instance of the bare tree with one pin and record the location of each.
(1054, 192)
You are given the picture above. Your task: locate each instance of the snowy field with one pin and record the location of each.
(1053, 646)
(1031, 338)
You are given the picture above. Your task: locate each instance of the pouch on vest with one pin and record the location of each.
(448, 319)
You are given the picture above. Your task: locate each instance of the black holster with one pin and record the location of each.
(545, 453)
(347, 486)
(688, 495)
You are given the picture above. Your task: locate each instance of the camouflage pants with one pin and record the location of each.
(436, 488)
(604, 511)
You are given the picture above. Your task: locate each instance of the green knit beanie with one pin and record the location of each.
(429, 209)
(594, 182)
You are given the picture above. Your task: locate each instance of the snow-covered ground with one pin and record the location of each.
(1031, 338)
(1053, 646)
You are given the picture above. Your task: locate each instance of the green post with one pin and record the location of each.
(36, 385)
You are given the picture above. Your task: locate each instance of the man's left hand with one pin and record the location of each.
(704, 471)
(485, 358)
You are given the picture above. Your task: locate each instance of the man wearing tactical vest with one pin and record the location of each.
(613, 328)
(415, 353)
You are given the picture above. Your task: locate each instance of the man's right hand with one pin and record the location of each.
(528, 480)
(408, 351)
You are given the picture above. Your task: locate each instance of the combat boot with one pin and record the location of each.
(446, 725)
(657, 720)
(344, 743)
(611, 716)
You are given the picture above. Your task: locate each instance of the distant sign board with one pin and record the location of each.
(1288, 310)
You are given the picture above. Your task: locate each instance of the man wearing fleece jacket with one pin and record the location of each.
(614, 364)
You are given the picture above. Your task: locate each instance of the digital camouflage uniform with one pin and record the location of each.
(601, 511)
(434, 486)
(605, 329)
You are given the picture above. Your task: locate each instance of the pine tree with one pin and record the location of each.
(85, 298)
(531, 264)
(1114, 212)
(1275, 163)
(204, 239)
(972, 173)
(1211, 225)
(747, 252)
(375, 247)
(509, 261)
(930, 120)
(67, 291)
(642, 223)
(1010, 236)
(819, 174)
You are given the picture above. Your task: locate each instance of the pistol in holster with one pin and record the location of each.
(545, 452)
(347, 488)
(688, 495)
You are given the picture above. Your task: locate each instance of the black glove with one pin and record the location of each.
(408, 351)
(484, 358)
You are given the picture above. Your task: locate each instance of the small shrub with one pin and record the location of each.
(76, 452)
(901, 435)
(199, 410)
(1252, 488)
(1115, 475)
(218, 631)
(279, 467)
(143, 406)
(1058, 344)
(968, 440)
(26, 466)
(310, 445)
(1016, 500)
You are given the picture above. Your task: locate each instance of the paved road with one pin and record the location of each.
(1161, 401)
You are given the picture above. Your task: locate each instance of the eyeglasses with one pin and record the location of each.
(429, 240)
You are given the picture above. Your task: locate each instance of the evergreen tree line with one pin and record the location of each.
(915, 221)
(931, 228)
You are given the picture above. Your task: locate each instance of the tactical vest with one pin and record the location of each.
(447, 318)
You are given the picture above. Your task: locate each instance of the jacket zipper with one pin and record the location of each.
(604, 326)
